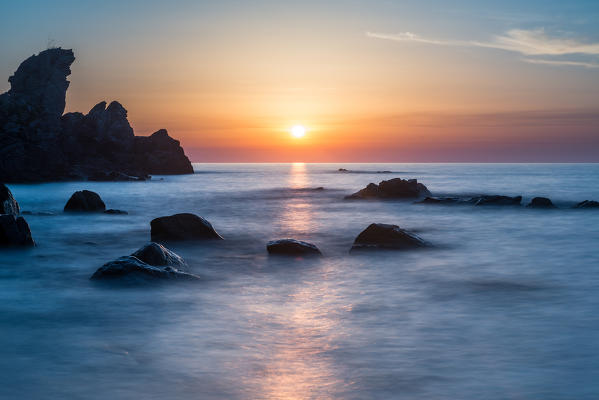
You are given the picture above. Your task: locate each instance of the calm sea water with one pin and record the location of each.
(504, 307)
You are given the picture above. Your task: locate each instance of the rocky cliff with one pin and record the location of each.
(39, 143)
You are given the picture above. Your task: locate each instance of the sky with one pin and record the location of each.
(370, 80)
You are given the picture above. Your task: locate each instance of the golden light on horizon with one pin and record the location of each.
(298, 131)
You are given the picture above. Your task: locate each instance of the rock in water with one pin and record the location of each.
(38, 143)
(441, 200)
(292, 247)
(115, 212)
(8, 204)
(157, 255)
(541, 202)
(587, 204)
(496, 200)
(85, 201)
(134, 269)
(396, 188)
(182, 227)
(385, 236)
(14, 231)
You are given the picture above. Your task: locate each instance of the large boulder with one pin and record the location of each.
(8, 204)
(395, 188)
(133, 269)
(85, 201)
(292, 247)
(183, 226)
(158, 255)
(587, 204)
(541, 202)
(14, 231)
(39, 143)
(495, 200)
(385, 236)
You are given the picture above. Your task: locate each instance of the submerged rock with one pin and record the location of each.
(541, 202)
(116, 212)
(157, 255)
(292, 247)
(587, 204)
(396, 188)
(85, 201)
(441, 200)
(133, 268)
(184, 226)
(114, 176)
(39, 143)
(385, 236)
(14, 231)
(495, 200)
(8, 204)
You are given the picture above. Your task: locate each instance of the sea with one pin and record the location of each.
(503, 305)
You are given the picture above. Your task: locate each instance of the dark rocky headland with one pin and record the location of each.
(39, 143)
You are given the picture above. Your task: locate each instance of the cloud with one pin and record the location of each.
(526, 42)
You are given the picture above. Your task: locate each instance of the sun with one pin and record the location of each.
(298, 131)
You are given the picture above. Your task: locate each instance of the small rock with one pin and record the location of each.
(496, 200)
(541, 202)
(292, 247)
(14, 231)
(8, 204)
(157, 255)
(587, 204)
(113, 211)
(133, 268)
(184, 226)
(385, 236)
(396, 188)
(342, 170)
(440, 200)
(115, 177)
(85, 201)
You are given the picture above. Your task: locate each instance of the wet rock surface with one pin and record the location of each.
(14, 231)
(292, 247)
(8, 204)
(183, 226)
(157, 255)
(130, 268)
(587, 204)
(386, 236)
(396, 188)
(541, 202)
(85, 201)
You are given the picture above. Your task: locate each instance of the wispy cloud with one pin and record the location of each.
(526, 42)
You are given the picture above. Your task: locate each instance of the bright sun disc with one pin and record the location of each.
(298, 131)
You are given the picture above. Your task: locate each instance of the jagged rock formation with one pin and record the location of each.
(39, 143)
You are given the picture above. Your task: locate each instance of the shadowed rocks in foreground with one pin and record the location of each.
(8, 204)
(396, 188)
(132, 268)
(484, 200)
(38, 143)
(385, 236)
(85, 201)
(14, 231)
(184, 226)
(158, 255)
(292, 247)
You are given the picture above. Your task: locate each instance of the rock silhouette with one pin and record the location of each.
(157, 255)
(39, 143)
(182, 227)
(292, 247)
(386, 236)
(541, 202)
(8, 204)
(396, 188)
(587, 204)
(85, 201)
(14, 231)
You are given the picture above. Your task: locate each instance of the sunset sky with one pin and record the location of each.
(371, 80)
